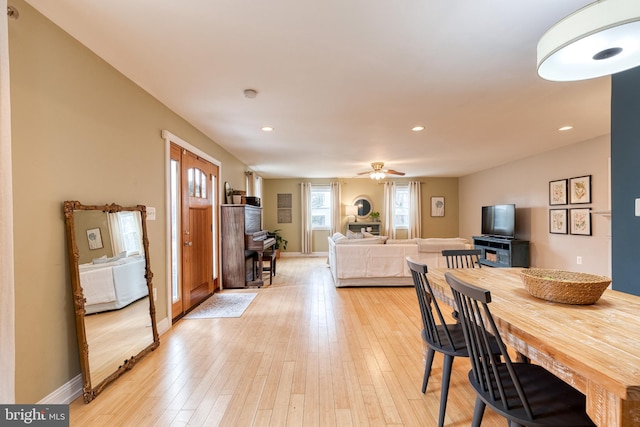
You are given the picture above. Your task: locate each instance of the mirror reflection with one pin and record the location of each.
(111, 278)
(364, 206)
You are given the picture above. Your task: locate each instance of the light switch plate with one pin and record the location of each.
(637, 207)
(151, 214)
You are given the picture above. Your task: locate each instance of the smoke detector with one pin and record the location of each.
(250, 93)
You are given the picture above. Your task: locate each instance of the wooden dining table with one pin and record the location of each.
(595, 348)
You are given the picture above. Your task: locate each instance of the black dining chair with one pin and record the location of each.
(439, 336)
(525, 394)
(462, 258)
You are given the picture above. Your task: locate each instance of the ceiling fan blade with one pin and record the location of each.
(364, 173)
(392, 172)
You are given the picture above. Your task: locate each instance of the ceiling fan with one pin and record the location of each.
(378, 173)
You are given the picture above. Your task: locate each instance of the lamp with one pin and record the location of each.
(351, 210)
(600, 39)
(377, 175)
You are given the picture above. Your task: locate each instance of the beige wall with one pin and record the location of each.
(89, 220)
(526, 183)
(81, 131)
(351, 189)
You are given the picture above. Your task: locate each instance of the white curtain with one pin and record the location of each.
(125, 235)
(388, 209)
(415, 210)
(7, 295)
(305, 208)
(117, 244)
(253, 184)
(336, 205)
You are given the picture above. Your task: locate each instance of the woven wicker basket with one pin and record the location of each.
(564, 286)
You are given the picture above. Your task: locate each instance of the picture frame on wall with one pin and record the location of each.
(437, 206)
(580, 190)
(558, 192)
(94, 237)
(580, 221)
(558, 223)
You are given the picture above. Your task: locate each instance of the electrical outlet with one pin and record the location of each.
(579, 260)
(155, 294)
(151, 213)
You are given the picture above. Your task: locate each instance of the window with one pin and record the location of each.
(197, 183)
(130, 231)
(320, 207)
(401, 206)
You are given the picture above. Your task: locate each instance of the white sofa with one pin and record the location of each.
(376, 261)
(113, 283)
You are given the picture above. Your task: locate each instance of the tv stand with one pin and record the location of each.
(502, 252)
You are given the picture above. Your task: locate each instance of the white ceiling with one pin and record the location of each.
(344, 81)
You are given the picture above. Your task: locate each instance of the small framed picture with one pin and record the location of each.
(95, 238)
(580, 221)
(558, 221)
(437, 206)
(580, 190)
(558, 192)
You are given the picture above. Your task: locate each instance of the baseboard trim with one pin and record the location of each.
(65, 394)
(164, 325)
(72, 389)
(300, 254)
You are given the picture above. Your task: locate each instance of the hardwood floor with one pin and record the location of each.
(303, 354)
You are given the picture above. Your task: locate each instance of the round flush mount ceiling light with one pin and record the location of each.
(565, 128)
(266, 128)
(600, 39)
(417, 128)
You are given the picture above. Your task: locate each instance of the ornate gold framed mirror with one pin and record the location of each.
(112, 290)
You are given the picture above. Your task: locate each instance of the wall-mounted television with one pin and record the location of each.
(499, 221)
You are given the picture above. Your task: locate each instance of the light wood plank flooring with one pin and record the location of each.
(303, 354)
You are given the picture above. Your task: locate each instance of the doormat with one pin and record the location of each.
(222, 305)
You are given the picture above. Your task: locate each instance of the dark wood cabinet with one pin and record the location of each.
(498, 252)
(238, 264)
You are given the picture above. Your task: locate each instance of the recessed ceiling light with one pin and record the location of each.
(267, 128)
(417, 128)
(563, 128)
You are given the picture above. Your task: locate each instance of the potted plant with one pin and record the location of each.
(375, 216)
(280, 241)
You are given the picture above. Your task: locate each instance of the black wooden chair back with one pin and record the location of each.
(462, 258)
(525, 394)
(447, 339)
(435, 328)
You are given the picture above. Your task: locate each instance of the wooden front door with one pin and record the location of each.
(193, 240)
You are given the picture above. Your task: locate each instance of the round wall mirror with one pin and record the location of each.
(364, 206)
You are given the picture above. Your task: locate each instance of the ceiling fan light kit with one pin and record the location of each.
(600, 39)
(378, 173)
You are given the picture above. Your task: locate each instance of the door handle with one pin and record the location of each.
(188, 243)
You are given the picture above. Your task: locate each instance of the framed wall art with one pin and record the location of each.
(580, 221)
(558, 192)
(558, 221)
(95, 238)
(580, 190)
(437, 206)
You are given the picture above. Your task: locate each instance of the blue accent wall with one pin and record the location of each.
(625, 180)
